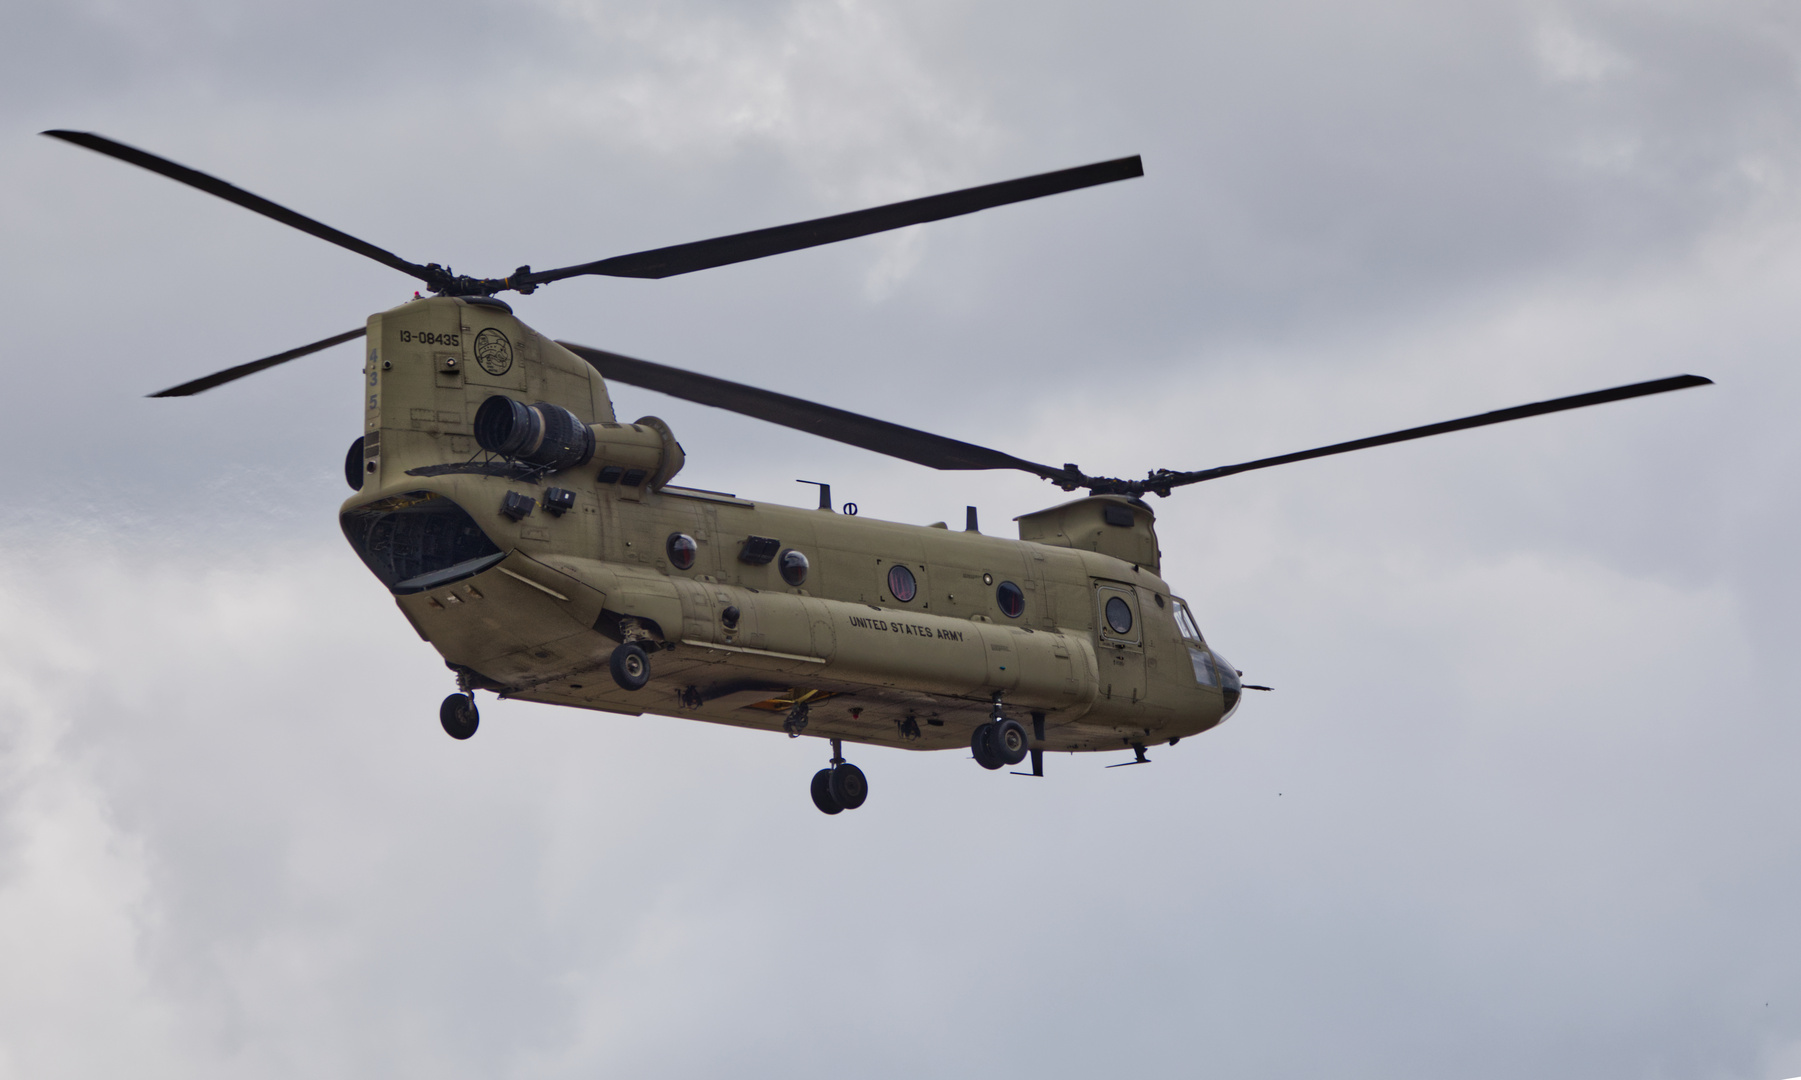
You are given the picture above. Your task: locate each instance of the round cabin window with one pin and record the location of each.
(1119, 615)
(794, 567)
(681, 550)
(901, 584)
(1011, 598)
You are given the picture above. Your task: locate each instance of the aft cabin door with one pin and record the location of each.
(1119, 641)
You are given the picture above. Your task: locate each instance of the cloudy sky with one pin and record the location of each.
(1523, 801)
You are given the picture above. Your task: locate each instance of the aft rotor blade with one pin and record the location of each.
(908, 444)
(220, 378)
(1499, 416)
(212, 185)
(741, 247)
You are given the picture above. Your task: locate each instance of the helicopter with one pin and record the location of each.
(539, 544)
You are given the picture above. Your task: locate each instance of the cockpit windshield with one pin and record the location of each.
(1185, 623)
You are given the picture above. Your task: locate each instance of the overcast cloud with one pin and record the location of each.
(1522, 803)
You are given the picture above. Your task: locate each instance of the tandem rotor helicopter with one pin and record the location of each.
(539, 544)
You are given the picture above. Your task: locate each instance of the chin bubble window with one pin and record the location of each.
(901, 585)
(1119, 615)
(681, 551)
(794, 567)
(1011, 598)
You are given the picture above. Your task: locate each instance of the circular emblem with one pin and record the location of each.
(493, 352)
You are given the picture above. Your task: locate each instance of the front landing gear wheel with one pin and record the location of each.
(631, 668)
(458, 715)
(822, 793)
(1010, 742)
(848, 786)
(981, 744)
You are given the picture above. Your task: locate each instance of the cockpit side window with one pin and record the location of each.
(1185, 623)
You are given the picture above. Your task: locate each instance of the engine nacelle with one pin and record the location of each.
(541, 434)
(635, 455)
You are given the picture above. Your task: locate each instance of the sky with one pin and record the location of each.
(1522, 800)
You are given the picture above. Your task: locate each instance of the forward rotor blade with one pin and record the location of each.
(1499, 416)
(908, 444)
(220, 378)
(741, 247)
(212, 185)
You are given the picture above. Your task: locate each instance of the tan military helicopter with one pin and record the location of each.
(541, 546)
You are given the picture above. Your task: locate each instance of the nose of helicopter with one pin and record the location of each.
(1212, 669)
(1229, 685)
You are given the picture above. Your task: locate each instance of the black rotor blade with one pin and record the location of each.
(908, 444)
(1164, 481)
(212, 185)
(219, 378)
(720, 251)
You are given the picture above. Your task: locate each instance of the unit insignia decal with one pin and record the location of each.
(493, 352)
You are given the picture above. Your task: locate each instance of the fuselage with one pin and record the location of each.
(525, 580)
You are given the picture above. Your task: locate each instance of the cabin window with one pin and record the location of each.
(794, 567)
(1119, 615)
(901, 584)
(1185, 623)
(1011, 598)
(681, 549)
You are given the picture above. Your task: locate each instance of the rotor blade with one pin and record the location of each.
(1499, 416)
(705, 254)
(219, 378)
(908, 444)
(212, 185)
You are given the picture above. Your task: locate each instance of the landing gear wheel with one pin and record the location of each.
(822, 793)
(848, 786)
(458, 716)
(1009, 741)
(353, 465)
(631, 668)
(981, 744)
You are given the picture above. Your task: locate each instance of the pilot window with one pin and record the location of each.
(1185, 623)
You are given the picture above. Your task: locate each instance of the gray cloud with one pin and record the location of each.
(1519, 806)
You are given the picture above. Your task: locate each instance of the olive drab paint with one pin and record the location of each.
(530, 599)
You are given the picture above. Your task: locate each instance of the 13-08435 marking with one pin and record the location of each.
(429, 338)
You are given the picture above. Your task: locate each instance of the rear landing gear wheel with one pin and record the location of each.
(841, 787)
(848, 786)
(1010, 742)
(981, 744)
(631, 668)
(459, 716)
(822, 793)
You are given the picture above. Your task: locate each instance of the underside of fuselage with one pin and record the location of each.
(508, 627)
